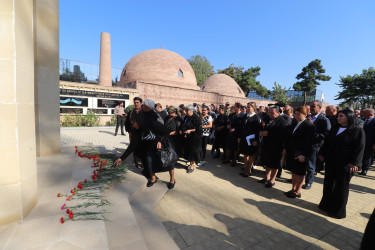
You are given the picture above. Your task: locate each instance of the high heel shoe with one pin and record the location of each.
(150, 182)
(171, 185)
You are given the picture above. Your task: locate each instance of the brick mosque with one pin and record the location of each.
(168, 78)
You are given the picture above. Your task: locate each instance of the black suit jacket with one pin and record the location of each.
(322, 128)
(287, 118)
(301, 141)
(273, 143)
(369, 129)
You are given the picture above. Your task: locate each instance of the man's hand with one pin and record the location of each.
(352, 168)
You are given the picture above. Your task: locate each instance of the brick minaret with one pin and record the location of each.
(105, 75)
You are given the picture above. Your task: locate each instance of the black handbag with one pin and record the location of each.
(168, 154)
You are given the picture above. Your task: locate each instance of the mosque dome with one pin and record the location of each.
(159, 66)
(223, 85)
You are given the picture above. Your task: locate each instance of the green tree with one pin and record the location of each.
(279, 94)
(246, 79)
(76, 76)
(202, 68)
(310, 76)
(358, 90)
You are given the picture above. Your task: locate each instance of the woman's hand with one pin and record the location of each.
(117, 162)
(173, 133)
(187, 131)
(300, 158)
(352, 168)
(231, 130)
(158, 145)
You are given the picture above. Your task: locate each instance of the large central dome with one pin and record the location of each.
(159, 66)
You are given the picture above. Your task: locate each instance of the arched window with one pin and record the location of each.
(180, 73)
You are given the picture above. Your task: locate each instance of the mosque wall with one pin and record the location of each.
(167, 95)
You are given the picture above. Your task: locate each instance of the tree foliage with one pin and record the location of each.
(76, 76)
(246, 79)
(358, 90)
(202, 68)
(310, 76)
(279, 94)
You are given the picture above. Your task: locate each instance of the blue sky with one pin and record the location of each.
(281, 37)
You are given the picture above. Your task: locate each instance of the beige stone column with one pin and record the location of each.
(46, 88)
(105, 75)
(18, 178)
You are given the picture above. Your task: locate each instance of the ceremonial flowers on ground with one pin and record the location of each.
(87, 194)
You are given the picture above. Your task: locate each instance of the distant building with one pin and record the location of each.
(295, 97)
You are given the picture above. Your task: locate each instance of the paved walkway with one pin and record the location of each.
(212, 208)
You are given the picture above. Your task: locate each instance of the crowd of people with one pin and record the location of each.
(304, 141)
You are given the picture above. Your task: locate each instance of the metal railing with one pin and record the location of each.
(75, 71)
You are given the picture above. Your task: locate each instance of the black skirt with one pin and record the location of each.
(296, 167)
(246, 149)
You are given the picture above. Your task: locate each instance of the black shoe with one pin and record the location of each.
(306, 186)
(278, 176)
(269, 185)
(171, 185)
(244, 175)
(262, 181)
(150, 183)
(123, 134)
(116, 134)
(287, 193)
(364, 172)
(293, 195)
(289, 180)
(190, 170)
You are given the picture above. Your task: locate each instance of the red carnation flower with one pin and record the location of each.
(71, 215)
(68, 211)
(62, 220)
(58, 195)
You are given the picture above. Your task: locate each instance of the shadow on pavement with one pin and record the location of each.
(309, 224)
(242, 234)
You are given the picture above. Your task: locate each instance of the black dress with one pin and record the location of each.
(272, 145)
(250, 125)
(299, 142)
(236, 123)
(192, 141)
(220, 135)
(340, 150)
(175, 125)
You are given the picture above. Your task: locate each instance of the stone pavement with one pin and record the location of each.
(212, 208)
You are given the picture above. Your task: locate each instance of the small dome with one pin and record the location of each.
(159, 66)
(222, 84)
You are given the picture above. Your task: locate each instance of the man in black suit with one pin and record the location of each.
(331, 114)
(322, 126)
(369, 128)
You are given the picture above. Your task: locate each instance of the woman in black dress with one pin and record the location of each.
(342, 152)
(234, 129)
(249, 138)
(173, 122)
(220, 126)
(272, 147)
(298, 145)
(150, 131)
(192, 132)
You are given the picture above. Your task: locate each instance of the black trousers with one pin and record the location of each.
(204, 146)
(367, 157)
(120, 122)
(335, 191)
(368, 240)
